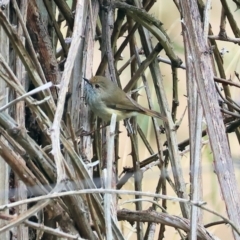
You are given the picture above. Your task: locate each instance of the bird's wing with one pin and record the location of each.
(146, 111)
(125, 104)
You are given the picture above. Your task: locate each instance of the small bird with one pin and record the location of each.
(105, 98)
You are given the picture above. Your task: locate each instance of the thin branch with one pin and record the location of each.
(226, 39)
(108, 183)
(29, 42)
(24, 216)
(36, 90)
(153, 25)
(88, 191)
(163, 218)
(66, 12)
(55, 131)
(56, 27)
(55, 232)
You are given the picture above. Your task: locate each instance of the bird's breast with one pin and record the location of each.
(99, 108)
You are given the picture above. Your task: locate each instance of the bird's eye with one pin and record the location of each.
(97, 86)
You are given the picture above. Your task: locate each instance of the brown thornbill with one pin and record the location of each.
(105, 98)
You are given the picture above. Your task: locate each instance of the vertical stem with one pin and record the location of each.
(4, 169)
(108, 183)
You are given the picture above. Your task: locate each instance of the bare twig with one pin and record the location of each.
(36, 90)
(108, 183)
(76, 39)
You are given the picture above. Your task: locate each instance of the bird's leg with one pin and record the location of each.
(81, 132)
(129, 127)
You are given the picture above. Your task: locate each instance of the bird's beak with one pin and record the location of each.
(87, 81)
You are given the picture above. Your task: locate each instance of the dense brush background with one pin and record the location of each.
(29, 149)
